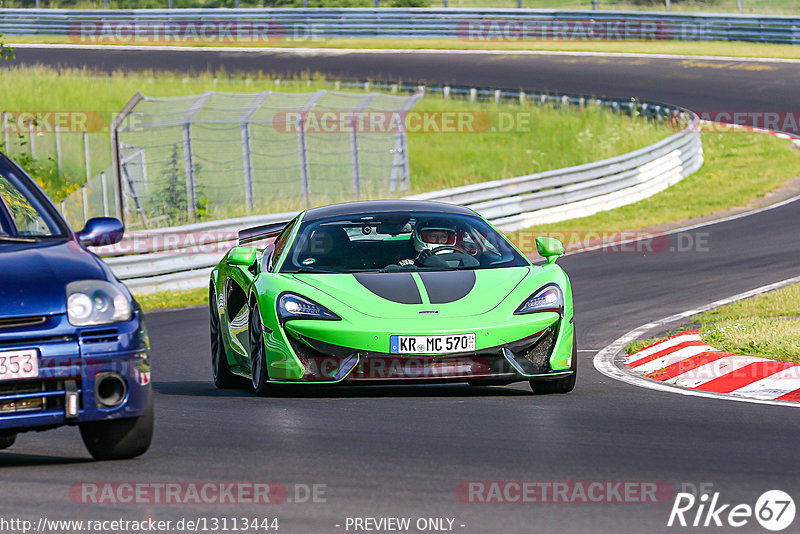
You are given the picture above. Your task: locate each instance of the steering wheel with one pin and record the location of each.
(443, 248)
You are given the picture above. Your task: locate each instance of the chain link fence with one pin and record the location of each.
(220, 155)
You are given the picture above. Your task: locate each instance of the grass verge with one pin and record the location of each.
(685, 48)
(767, 326)
(173, 299)
(738, 168)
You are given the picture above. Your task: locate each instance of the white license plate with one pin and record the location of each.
(19, 364)
(440, 344)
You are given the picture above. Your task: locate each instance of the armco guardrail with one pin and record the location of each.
(554, 196)
(397, 23)
(181, 262)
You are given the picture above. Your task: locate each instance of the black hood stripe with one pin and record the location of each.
(396, 287)
(447, 286)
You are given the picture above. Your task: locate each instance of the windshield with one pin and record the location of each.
(399, 242)
(22, 215)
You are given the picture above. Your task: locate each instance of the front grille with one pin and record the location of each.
(535, 358)
(108, 335)
(18, 322)
(27, 396)
(375, 366)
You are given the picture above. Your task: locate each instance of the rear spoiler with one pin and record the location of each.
(258, 233)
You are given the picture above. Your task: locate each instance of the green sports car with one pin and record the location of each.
(390, 291)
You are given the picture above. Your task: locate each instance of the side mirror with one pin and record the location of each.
(101, 231)
(244, 256)
(549, 248)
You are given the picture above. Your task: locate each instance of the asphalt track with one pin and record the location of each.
(403, 451)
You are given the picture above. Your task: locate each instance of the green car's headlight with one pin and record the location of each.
(96, 302)
(547, 298)
(291, 306)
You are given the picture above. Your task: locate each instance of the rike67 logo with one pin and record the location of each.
(774, 510)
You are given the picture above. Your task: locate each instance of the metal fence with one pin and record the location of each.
(62, 158)
(172, 258)
(164, 25)
(220, 155)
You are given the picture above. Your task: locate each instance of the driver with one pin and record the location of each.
(427, 237)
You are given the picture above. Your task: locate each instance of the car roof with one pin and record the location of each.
(384, 206)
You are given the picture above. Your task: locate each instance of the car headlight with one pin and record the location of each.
(96, 302)
(291, 306)
(547, 298)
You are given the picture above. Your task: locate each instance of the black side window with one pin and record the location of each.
(280, 244)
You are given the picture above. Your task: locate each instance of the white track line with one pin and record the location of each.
(343, 51)
(605, 360)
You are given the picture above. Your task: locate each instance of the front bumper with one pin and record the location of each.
(536, 356)
(70, 360)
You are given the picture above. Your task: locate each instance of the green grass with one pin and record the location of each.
(173, 299)
(767, 326)
(639, 344)
(738, 168)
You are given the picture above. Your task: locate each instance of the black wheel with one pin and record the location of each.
(7, 441)
(560, 385)
(119, 439)
(220, 368)
(258, 354)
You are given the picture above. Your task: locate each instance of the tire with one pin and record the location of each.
(220, 368)
(119, 439)
(258, 355)
(560, 385)
(7, 441)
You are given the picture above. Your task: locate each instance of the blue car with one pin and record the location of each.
(73, 345)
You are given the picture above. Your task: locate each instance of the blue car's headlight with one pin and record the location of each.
(547, 298)
(96, 302)
(291, 306)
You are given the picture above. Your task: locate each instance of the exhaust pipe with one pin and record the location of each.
(110, 390)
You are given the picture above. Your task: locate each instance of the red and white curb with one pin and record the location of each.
(756, 382)
(685, 360)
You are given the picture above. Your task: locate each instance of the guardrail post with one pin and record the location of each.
(57, 130)
(31, 138)
(188, 165)
(116, 155)
(86, 156)
(6, 137)
(104, 189)
(85, 199)
(188, 154)
(400, 162)
(302, 149)
(247, 156)
(355, 158)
